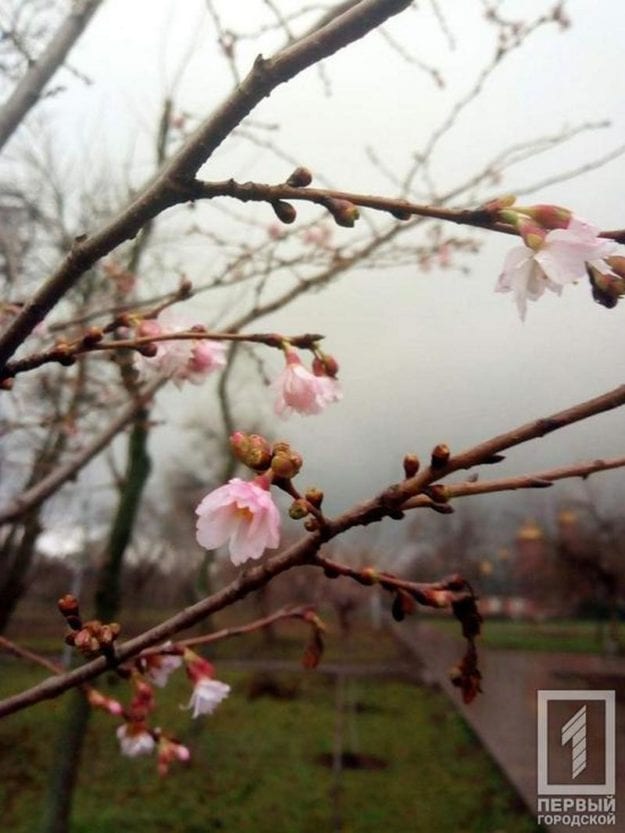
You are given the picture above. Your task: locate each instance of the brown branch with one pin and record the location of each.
(165, 189)
(30, 87)
(429, 594)
(248, 581)
(486, 452)
(69, 351)
(31, 656)
(304, 551)
(397, 207)
(302, 612)
(539, 480)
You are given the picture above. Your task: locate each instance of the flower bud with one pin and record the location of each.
(300, 178)
(284, 211)
(533, 235)
(149, 350)
(68, 605)
(109, 633)
(403, 605)
(298, 509)
(286, 466)
(437, 492)
(411, 465)
(325, 365)
(549, 216)
(400, 214)
(314, 496)
(63, 354)
(92, 336)
(606, 289)
(440, 456)
(281, 447)
(367, 576)
(86, 643)
(7, 383)
(345, 213)
(252, 450)
(499, 204)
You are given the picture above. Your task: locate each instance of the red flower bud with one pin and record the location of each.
(300, 178)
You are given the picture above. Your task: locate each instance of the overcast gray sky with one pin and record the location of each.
(425, 356)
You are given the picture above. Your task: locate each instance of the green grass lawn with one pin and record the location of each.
(255, 764)
(568, 635)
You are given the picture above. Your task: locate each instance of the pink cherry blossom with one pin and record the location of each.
(561, 259)
(565, 252)
(158, 667)
(184, 360)
(242, 512)
(207, 695)
(329, 389)
(207, 692)
(302, 391)
(134, 739)
(523, 276)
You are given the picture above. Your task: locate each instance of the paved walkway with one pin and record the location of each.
(504, 716)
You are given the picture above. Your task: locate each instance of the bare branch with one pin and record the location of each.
(48, 485)
(29, 89)
(163, 191)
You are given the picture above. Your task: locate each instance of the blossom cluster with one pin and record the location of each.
(560, 248)
(242, 512)
(135, 735)
(183, 360)
(297, 389)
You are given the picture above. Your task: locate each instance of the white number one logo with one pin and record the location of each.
(574, 731)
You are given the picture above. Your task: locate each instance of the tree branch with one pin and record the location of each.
(48, 485)
(30, 87)
(163, 192)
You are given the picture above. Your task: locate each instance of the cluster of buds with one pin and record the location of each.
(277, 461)
(243, 512)
(534, 222)
(90, 638)
(285, 211)
(135, 735)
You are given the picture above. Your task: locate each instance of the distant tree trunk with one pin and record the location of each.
(64, 772)
(65, 767)
(16, 556)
